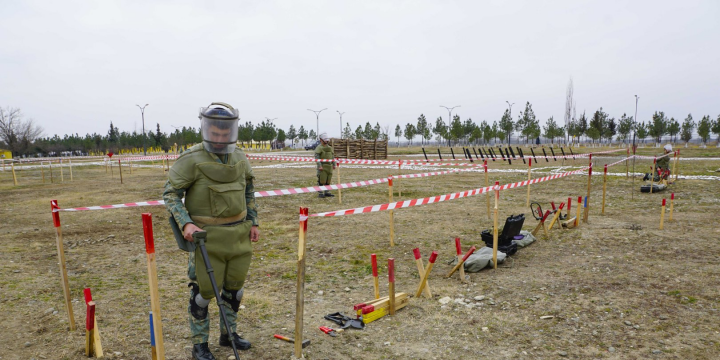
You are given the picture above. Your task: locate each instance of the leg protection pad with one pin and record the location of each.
(233, 297)
(198, 311)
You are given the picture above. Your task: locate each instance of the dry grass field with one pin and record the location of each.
(617, 287)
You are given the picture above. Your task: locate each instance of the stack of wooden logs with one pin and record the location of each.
(360, 149)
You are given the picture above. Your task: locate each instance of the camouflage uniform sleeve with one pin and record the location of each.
(252, 214)
(173, 203)
(317, 156)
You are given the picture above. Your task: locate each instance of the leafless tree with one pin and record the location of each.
(569, 104)
(16, 133)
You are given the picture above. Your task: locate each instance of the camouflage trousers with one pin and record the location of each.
(200, 329)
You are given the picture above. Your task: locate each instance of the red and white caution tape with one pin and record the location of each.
(441, 198)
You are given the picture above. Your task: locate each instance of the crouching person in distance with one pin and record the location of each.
(217, 182)
(324, 169)
(662, 166)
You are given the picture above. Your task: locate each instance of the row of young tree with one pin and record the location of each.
(600, 128)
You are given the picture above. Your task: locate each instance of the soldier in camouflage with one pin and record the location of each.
(662, 166)
(216, 180)
(324, 169)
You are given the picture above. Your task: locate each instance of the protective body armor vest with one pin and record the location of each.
(213, 189)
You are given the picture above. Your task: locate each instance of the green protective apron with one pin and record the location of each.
(215, 201)
(325, 175)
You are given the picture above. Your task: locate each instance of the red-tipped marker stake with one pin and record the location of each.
(89, 330)
(421, 271)
(458, 249)
(392, 215)
(662, 215)
(54, 208)
(604, 189)
(495, 224)
(587, 198)
(153, 283)
(391, 284)
(300, 295)
(461, 262)
(431, 263)
(672, 200)
(577, 217)
(376, 282)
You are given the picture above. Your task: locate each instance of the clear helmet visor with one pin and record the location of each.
(219, 136)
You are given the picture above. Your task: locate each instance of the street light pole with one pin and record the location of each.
(317, 120)
(510, 105)
(632, 194)
(449, 120)
(341, 114)
(142, 111)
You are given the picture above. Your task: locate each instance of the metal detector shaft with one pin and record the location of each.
(199, 238)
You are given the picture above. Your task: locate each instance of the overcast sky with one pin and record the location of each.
(74, 66)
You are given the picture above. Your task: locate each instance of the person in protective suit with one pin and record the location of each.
(324, 169)
(662, 166)
(216, 181)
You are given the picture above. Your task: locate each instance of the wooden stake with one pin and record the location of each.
(495, 224)
(556, 216)
(672, 200)
(627, 169)
(461, 262)
(97, 345)
(423, 281)
(399, 173)
(12, 164)
(153, 283)
(652, 175)
(153, 349)
(458, 249)
(376, 282)
(300, 298)
(62, 178)
(89, 330)
(487, 183)
(42, 170)
(587, 198)
(577, 216)
(61, 260)
(527, 203)
(662, 215)
(51, 172)
(392, 218)
(338, 182)
(421, 271)
(71, 175)
(677, 165)
(391, 284)
(120, 170)
(604, 189)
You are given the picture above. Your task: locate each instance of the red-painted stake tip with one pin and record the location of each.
(433, 256)
(458, 247)
(416, 252)
(467, 255)
(88, 295)
(373, 260)
(672, 196)
(148, 232)
(663, 202)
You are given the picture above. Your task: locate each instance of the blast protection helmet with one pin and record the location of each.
(219, 124)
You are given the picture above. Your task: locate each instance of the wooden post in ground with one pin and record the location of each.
(153, 348)
(71, 175)
(120, 170)
(12, 165)
(90, 330)
(399, 173)
(51, 172)
(527, 203)
(662, 215)
(672, 200)
(423, 281)
(458, 250)
(391, 284)
(652, 175)
(376, 282)
(338, 182)
(577, 216)
(627, 169)
(42, 170)
(587, 198)
(97, 345)
(111, 170)
(392, 219)
(300, 298)
(495, 224)
(556, 217)
(421, 271)
(153, 283)
(487, 183)
(604, 189)
(61, 260)
(677, 165)
(62, 178)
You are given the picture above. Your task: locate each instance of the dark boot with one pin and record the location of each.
(202, 352)
(240, 343)
(328, 194)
